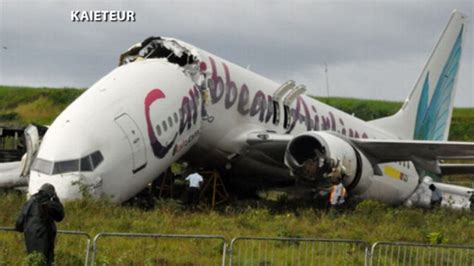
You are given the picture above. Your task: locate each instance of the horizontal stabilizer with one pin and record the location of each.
(424, 154)
(456, 169)
(399, 150)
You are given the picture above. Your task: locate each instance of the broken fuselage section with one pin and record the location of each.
(174, 51)
(160, 47)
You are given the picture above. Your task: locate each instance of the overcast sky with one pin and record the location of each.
(373, 49)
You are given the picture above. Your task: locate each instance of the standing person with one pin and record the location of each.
(338, 194)
(195, 182)
(178, 169)
(436, 196)
(37, 222)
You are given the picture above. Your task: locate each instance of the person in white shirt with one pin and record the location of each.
(195, 182)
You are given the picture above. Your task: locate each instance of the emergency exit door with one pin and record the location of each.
(135, 139)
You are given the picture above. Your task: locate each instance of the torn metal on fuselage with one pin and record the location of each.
(160, 47)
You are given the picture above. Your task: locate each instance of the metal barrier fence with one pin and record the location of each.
(297, 251)
(199, 250)
(67, 249)
(211, 250)
(388, 253)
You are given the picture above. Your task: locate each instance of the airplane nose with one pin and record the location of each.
(131, 119)
(68, 186)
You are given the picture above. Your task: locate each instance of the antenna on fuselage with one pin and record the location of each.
(327, 79)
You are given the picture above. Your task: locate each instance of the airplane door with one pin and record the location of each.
(135, 139)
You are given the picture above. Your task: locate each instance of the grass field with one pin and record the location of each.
(24, 105)
(369, 221)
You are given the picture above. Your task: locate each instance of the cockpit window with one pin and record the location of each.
(66, 166)
(97, 158)
(43, 166)
(85, 164)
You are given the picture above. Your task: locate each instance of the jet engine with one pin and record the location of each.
(318, 156)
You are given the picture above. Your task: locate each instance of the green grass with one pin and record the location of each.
(363, 109)
(24, 105)
(370, 221)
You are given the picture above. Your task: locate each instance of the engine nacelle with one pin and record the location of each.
(312, 156)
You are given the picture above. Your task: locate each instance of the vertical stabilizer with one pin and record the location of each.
(426, 114)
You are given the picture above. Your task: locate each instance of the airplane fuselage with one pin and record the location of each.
(147, 114)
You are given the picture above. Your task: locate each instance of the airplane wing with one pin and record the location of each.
(10, 175)
(424, 154)
(271, 144)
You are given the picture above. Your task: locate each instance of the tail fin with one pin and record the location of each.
(426, 114)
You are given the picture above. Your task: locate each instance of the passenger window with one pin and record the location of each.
(170, 121)
(158, 130)
(165, 127)
(86, 164)
(175, 117)
(97, 158)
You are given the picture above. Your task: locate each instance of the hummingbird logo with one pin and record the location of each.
(433, 116)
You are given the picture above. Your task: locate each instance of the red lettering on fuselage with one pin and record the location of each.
(158, 149)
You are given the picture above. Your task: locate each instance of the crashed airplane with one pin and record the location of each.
(168, 100)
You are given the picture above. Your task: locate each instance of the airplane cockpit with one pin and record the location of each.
(85, 164)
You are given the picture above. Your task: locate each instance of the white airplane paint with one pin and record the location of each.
(169, 99)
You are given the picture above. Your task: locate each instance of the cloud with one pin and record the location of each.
(368, 45)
